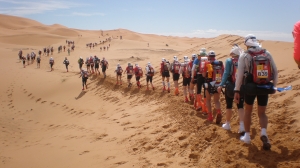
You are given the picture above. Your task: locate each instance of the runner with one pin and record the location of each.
(104, 66)
(92, 64)
(40, 53)
(138, 75)
(96, 62)
(193, 80)
(185, 70)
(80, 63)
(164, 72)
(198, 70)
(38, 61)
(119, 72)
(212, 81)
(24, 60)
(174, 69)
(66, 62)
(28, 58)
(64, 48)
(228, 81)
(85, 75)
(88, 64)
(149, 75)
(32, 55)
(51, 62)
(20, 54)
(129, 70)
(261, 69)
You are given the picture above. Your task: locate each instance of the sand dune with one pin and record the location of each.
(46, 120)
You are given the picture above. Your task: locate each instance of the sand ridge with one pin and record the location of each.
(47, 121)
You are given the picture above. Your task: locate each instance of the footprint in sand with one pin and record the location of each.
(120, 163)
(84, 152)
(44, 102)
(29, 94)
(39, 99)
(110, 157)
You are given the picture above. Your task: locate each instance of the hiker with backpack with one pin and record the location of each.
(119, 72)
(174, 69)
(80, 63)
(165, 74)
(66, 62)
(260, 70)
(97, 63)
(51, 62)
(129, 71)
(38, 61)
(91, 60)
(104, 66)
(228, 82)
(138, 75)
(85, 75)
(186, 71)
(213, 78)
(88, 64)
(199, 71)
(149, 75)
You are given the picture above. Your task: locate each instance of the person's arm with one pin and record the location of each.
(274, 69)
(240, 73)
(228, 65)
(180, 69)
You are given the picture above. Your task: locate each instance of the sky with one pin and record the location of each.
(266, 19)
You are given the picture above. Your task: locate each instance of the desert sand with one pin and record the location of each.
(46, 120)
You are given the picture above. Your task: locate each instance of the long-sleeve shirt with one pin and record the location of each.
(227, 71)
(244, 66)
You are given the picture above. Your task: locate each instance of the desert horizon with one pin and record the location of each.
(47, 120)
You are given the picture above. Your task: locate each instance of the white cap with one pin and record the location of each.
(175, 58)
(251, 41)
(149, 63)
(137, 65)
(236, 50)
(80, 57)
(118, 65)
(163, 59)
(202, 50)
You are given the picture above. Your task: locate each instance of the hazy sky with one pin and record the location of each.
(267, 19)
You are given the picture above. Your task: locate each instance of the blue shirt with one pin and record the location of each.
(227, 71)
(196, 61)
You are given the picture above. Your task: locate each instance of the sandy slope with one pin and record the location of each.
(47, 121)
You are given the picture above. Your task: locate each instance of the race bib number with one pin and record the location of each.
(261, 72)
(177, 68)
(218, 78)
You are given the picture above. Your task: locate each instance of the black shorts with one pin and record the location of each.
(92, 65)
(38, 61)
(211, 89)
(149, 78)
(229, 102)
(96, 66)
(137, 78)
(186, 81)
(165, 74)
(200, 82)
(88, 65)
(129, 76)
(23, 62)
(51, 65)
(119, 74)
(176, 76)
(262, 100)
(103, 69)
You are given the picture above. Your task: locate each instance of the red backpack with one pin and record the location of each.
(260, 68)
(139, 71)
(234, 69)
(151, 71)
(176, 67)
(129, 69)
(218, 69)
(186, 71)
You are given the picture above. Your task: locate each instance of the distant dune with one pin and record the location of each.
(46, 120)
